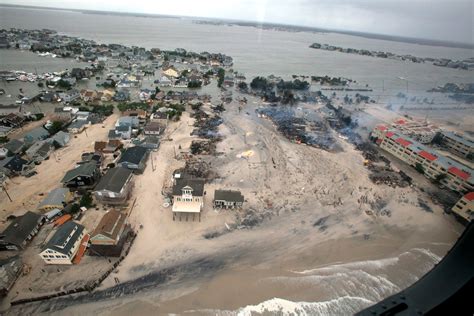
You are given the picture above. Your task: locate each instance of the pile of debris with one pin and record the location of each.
(298, 129)
(206, 126)
(198, 168)
(384, 174)
(251, 218)
(380, 168)
(204, 147)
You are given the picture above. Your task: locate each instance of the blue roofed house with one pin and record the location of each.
(39, 133)
(60, 139)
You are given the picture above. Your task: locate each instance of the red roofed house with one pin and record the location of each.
(464, 208)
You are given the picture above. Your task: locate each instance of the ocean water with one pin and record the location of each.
(347, 287)
(255, 51)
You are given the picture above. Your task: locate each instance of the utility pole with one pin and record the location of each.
(152, 164)
(5, 189)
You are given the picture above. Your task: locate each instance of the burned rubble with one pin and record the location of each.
(300, 129)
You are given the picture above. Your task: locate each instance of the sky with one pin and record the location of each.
(450, 20)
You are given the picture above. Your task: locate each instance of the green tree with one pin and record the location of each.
(220, 77)
(64, 84)
(86, 200)
(242, 86)
(56, 126)
(419, 168)
(194, 84)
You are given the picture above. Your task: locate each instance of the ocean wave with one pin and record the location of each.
(340, 306)
(372, 279)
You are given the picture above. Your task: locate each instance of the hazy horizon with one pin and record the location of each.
(434, 20)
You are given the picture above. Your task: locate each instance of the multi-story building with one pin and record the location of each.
(188, 197)
(465, 207)
(447, 171)
(458, 144)
(420, 130)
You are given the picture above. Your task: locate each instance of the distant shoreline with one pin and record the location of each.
(269, 25)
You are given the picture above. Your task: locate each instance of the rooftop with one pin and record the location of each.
(133, 155)
(228, 195)
(110, 225)
(55, 197)
(60, 241)
(86, 169)
(20, 228)
(197, 185)
(114, 180)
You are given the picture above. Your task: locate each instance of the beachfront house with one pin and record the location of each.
(109, 236)
(188, 198)
(228, 199)
(21, 231)
(115, 186)
(65, 244)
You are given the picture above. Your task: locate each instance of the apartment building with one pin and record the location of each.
(458, 144)
(465, 207)
(447, 171)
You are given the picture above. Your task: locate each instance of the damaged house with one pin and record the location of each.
(56, 199)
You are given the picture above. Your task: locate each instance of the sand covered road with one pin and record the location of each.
(26, 193)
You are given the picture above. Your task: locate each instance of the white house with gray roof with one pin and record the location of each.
(64, 245)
